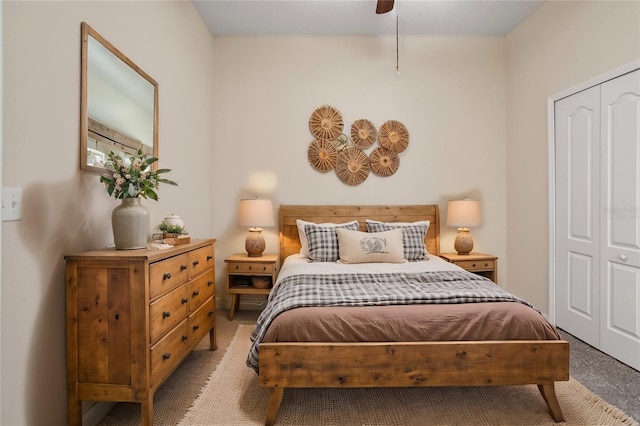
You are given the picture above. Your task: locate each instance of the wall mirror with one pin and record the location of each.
(119, 104)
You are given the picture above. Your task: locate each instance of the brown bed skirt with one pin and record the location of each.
(412, 323)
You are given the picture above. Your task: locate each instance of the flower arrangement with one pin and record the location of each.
(133, 177)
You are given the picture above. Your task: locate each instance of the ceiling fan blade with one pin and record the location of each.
(384, 6)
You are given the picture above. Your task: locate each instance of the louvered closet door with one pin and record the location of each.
(620, 219)
(577, 121)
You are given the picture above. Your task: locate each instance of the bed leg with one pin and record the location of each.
(274, 405)
(549, 394)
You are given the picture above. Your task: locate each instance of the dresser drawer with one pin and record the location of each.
(166, 312)
(168, 274)
(477, 265)
(201, 321)
(200, 289)
(249, 268)
(200, 260)
(168, 352)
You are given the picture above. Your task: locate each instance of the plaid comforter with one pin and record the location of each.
(362, 289)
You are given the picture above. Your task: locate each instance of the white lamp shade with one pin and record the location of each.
(255, 213)
(463, 213)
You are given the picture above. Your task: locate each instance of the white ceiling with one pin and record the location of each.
(358, 17)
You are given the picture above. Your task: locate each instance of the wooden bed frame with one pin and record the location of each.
(402, 364)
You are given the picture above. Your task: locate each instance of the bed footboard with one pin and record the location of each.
(406, 364)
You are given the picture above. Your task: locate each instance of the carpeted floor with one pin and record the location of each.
(613, 381)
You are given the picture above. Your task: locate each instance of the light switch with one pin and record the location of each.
(11, 204)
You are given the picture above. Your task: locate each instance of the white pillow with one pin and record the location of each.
(413, 236)
(367, 247)
(304, 242)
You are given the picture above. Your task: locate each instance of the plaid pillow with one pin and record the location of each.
(412, 237)
(323, 241)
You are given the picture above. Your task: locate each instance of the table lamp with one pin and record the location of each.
(463, 213)
(255, 213)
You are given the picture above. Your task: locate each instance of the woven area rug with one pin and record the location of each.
(232, 396)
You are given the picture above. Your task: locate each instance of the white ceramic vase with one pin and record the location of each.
(130, 222)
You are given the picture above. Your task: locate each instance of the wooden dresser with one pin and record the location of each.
(132, 318)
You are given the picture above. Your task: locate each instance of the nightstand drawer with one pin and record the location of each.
(477, 265)
(249, 268)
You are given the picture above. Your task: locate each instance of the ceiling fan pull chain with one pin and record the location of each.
(397, 47)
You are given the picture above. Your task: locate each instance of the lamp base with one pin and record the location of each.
(463, 243)
(254, 244)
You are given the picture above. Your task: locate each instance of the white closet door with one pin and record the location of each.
(577, 120)
(620, 218)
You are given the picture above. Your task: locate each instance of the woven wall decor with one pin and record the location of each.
(394, 136)
(326, 123)
(384, 162)
(333, 149)
(363, 133)
(352, 166)
(322, 155)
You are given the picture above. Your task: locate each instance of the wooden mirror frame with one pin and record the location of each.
(88, 125)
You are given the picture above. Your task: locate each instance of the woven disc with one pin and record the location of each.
(394, 136)
(352, 166)
(384, 162)
(322, 155)
(326, 123)
(363, 133)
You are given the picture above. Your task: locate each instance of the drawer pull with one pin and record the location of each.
(209, 257)
(195, 293)
(237, 267)
(184, 338)
(474, 265)
(184, 300)
(209, 283)
(211, 313)
(166, 356)
(486, 264)
(183, 267)
(166, 276)
(196, 327)
(195, 263)
(166, 314)
(264, 268)
(249, 267)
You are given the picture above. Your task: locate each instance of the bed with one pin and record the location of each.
(397, 356)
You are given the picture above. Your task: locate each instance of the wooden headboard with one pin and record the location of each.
(290, 242)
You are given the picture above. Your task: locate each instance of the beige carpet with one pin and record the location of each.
(232, 396)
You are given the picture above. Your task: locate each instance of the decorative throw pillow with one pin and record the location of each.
(413, 234)
(304, 249)
(323, 241)
(367, 247)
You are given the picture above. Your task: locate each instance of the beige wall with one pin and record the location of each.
(66, 210)
(450, 95)
(562, 44)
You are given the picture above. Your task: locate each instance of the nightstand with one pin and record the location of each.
(478, 263)
(241, 269)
